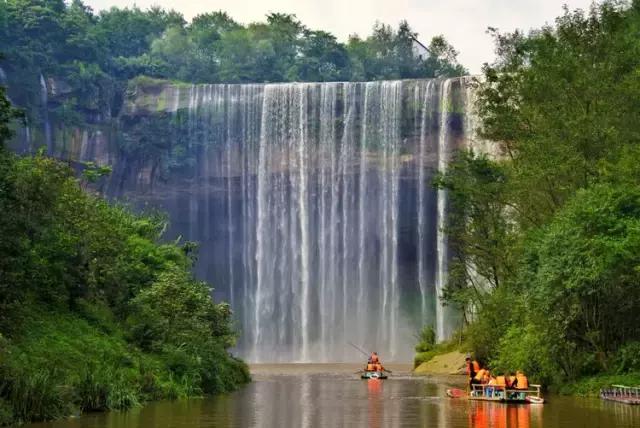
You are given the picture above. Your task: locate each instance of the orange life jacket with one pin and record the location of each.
(480, 374)
(476, 366)
(370, 367)
(523, 382)
(501, 381)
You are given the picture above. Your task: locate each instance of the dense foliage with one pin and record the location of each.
(548, 233)
(95, 54)
(95, 312)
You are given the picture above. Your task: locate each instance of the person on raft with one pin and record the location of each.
(473, 367)
(373, 364)
(521, 381)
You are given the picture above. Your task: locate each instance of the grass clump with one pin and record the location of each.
(427, 347)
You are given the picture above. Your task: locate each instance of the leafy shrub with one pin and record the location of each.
(96, 313)
(6, 413)
(426, 339)
(627, 358)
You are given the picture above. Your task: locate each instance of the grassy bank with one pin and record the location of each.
(427, 348)
(61, 364)
(590, 386)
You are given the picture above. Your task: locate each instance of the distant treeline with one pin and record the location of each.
(96, 53)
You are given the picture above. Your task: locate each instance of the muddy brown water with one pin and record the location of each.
(332, 395)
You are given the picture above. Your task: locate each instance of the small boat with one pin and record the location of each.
(373, 374)
(534, 400)
(621, 394)
(499, 394)
(456, 393)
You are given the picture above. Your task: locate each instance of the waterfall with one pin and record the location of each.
(442, 327)
(44, 101)
(427, 100)
(315, 211)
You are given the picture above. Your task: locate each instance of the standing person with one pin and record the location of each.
(473, 367)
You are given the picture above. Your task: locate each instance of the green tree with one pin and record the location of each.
(321, 59)
(555, 216)
(481, 234)
(560, 102)
(579, 276)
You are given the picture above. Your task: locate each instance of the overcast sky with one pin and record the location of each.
(462, 22)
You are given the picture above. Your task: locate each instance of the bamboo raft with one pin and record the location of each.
(373, 374)
(621, 394)
(500, 394)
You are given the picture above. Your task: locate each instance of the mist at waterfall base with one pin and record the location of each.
(313, 208)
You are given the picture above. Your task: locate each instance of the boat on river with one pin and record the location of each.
(373, 374)
(621, 394)
(500, 394)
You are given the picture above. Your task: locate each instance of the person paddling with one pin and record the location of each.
(373, 363)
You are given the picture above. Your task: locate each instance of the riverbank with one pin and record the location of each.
(62, 365)
(590, 386)
(445, 363)
(453, 363)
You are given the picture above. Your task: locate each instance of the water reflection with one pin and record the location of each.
(494, 415)
(340, 399)
(374, 388)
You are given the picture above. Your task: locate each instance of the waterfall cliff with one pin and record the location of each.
(312, 203)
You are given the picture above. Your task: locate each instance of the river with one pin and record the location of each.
(330, 395)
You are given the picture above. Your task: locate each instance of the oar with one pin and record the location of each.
(365, 353)
(359, 349)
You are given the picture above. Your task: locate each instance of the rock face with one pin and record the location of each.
(312, 202)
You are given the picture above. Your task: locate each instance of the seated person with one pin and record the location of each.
(373, 364)
(477, 380)
(511, 380)
(491, 386)
(501, 385)
(521, 381)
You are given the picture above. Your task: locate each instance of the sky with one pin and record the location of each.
(462, 22)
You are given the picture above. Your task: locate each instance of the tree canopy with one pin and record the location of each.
(546, 232)
(95, 53)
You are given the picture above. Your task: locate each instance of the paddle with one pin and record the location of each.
(366, 354)
(359, 349)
